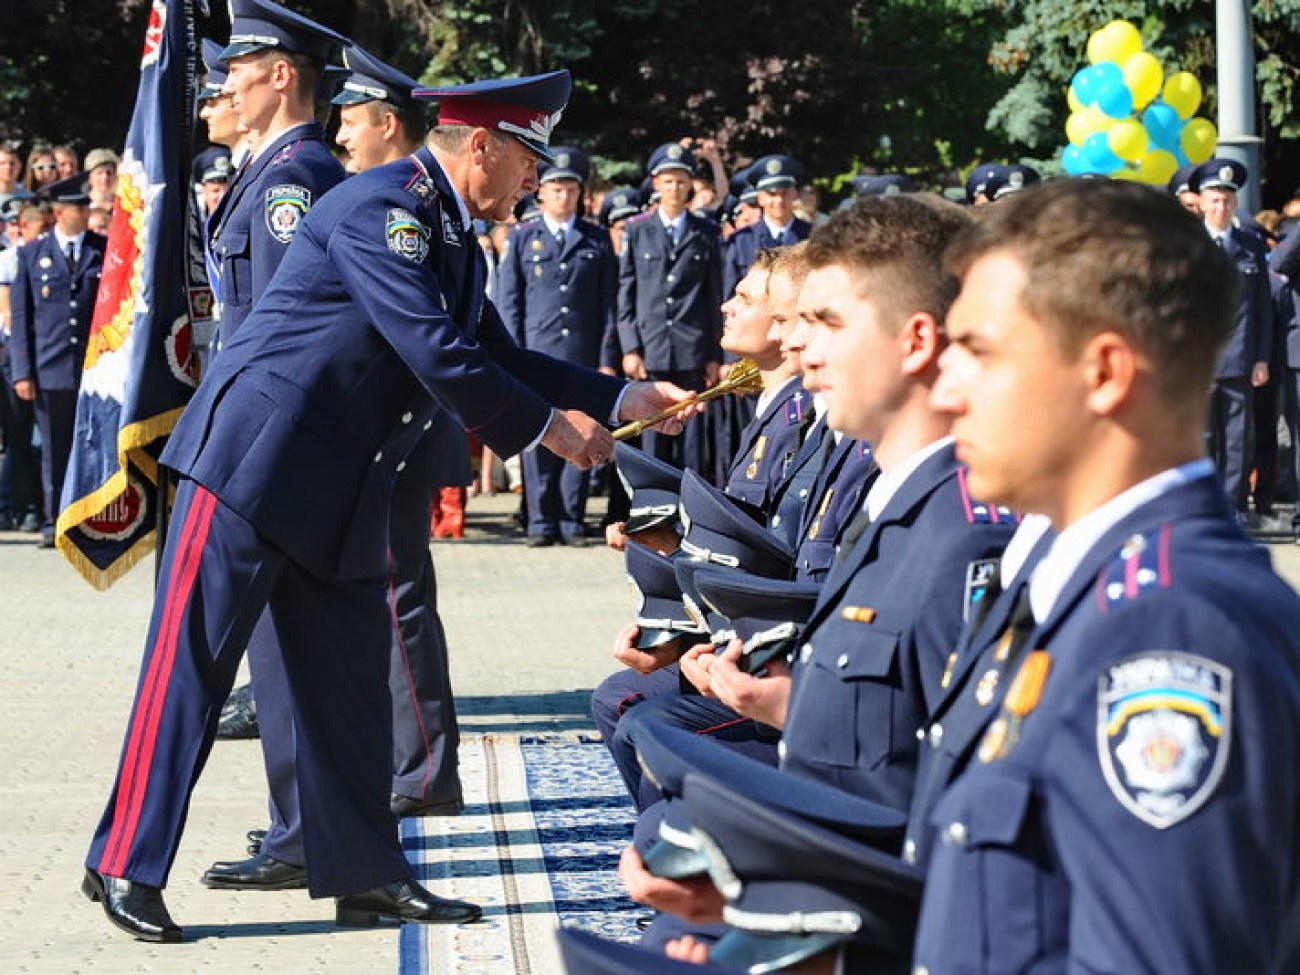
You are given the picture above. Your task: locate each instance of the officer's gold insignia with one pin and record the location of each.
(760, 449)
(537, 270)
(815, 528)
(986, 688)
(45, 291)
(536, 245)
(858, 614)
(1022, 698)
(948, 668)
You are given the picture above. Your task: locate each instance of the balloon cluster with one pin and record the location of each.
(1128, 121)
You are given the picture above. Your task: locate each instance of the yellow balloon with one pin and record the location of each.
(1183, 93)
(1117, 41)
(1127, 139)
(1198, 139)
(1072, 100)
(1143, 74)
(1157, 167)
(1088, 121)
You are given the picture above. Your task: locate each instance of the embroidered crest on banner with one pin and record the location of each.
(407, 237)
(1164, 732)
(285, 207)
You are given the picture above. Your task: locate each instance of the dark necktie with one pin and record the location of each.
(559, 238)
(672, 233)
(72, 254)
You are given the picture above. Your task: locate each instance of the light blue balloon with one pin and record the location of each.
(1114, 98)
(1090, 82)
(1073, 162)
(1097, 155)
(1163, 126)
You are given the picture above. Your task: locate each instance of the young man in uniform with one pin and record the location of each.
(1125, 811)
(556, 290)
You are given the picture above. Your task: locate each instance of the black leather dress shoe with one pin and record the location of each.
(137, 909)
(576, 541)
(403, 901)
(260, 872)
(539, 541)
(238, 722)
(409, 807)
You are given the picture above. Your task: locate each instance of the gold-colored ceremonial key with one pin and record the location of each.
(742, 380)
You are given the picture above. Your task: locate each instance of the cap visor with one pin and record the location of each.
(346, 97)
(543, 151)
(557, 173)
(664, 167)
(639, 523)
(240, 48)
(756, 953)
(651, 639)
(673, 862)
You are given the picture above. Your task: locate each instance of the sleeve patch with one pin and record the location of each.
(286, 205)
(1164, 731)
(407, 236)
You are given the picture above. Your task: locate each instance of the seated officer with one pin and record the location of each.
(782, 415)
(895, 603)
(1125, 813)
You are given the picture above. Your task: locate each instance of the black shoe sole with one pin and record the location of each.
(218, 883)
(94, 891)
(347, 917)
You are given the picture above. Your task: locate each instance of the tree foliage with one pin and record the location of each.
(917, 85)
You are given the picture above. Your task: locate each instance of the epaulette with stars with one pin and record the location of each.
(979, 513)
(286, 153)
(1141, 565)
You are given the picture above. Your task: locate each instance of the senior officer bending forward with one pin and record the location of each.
(287, 456)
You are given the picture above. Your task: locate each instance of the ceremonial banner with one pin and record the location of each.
(139, 372)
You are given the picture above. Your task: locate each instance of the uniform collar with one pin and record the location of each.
(774, 231)
(428, 164)
(63, 242)
(1074, 544)
(889, 482)
(679, 224)
(766, 399)
(274, 139)
(553, 228)
(1014, 556)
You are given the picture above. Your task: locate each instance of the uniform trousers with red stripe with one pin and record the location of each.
(218, 574)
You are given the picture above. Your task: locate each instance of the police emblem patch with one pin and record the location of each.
(449, 233)
(285, 207)
(406, 236)
(1164, 731)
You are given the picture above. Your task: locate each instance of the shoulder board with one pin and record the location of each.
(1141, 565)
(286, 153)
(978, 512)
(640, 217)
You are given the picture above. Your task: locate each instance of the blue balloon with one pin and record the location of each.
(1115, 99)
(1097, 155)
(1090, 82)
(1163, 126)
(1073, 162)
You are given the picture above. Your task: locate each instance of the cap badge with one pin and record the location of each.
(674, 152)
(1225, 173)
(773, 167)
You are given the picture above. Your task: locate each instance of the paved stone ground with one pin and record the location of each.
(529, 631)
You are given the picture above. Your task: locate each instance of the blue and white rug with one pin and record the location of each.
(546, 819)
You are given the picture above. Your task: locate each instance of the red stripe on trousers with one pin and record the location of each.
(142, 739)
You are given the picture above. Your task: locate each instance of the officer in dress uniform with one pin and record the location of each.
(1124, 811)
(380, 123)
(775, 179)
(290, 167)
(1243, 366)
(51, 303)
(377, 320)
(669, 298)
(556, 290)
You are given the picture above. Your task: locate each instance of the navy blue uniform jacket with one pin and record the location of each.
(670, 297)
(1147, 819)
(1252, 336)
(376, 319)
(767, 445)
(258, 218)
(559, 300)
(52, 305)
(890, 612)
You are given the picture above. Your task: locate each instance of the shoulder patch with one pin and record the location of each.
(286, 205)
(407, 236)
(1142, 564)
(979, 513)
(1164, 731)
